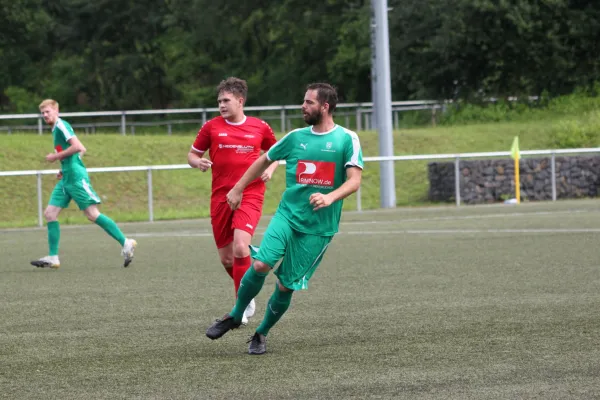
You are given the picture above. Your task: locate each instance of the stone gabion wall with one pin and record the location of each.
(489, 181)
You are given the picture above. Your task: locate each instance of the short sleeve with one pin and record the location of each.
(66, 130)
(202, 142)
(268, 137)
(282, 149)
(352, 151)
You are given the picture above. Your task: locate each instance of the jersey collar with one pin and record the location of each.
(236, 123)
(323, 133)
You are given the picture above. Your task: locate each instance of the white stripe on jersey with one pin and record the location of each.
(355, 149)
(65, 131)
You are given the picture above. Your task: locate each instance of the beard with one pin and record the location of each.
(313, 118)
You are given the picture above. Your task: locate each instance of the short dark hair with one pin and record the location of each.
(234, 85)
(325, 94)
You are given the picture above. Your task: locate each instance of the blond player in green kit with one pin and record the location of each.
(74, 184)
(323, 166)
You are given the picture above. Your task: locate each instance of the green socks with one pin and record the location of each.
(111, 228)
(250, 286)
(103, 221)
(53, 237)
(277, 306)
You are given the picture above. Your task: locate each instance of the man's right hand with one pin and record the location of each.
(234, 198)
(203, 164)
(59, 175)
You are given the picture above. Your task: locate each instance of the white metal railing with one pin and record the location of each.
(455, 157)
(361, 112)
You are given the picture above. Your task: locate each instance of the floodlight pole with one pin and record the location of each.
(374, 109)
(382, 99)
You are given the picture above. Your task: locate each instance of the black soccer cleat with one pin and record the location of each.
(46, 262)
(40, 264)
(222, 326)
(258, 344)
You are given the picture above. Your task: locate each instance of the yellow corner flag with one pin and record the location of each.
(514, 153)
(514, 150)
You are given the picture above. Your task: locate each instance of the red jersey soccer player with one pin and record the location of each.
(234, 142)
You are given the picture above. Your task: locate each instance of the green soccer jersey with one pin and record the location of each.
(72, 166)
(315, 163)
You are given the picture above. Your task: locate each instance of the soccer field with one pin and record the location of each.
(481, 302)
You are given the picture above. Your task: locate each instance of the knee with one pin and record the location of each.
(240, 248)
(92, 213)
(50, 215)
(92, 216)
(283, 288)
(227, 262)
(261, 267)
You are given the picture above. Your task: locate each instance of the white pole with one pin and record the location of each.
(384, 102)
(150, 205)
(39, 200)
(457, 180)
(553, 173)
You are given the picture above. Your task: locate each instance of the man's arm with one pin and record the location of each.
(268, 174)
(196, 160)
(234, 197)
(268, 141)
(354, 176)
(75, 147)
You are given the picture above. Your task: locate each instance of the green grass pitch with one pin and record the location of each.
(486, 302)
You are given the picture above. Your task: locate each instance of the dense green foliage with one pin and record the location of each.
(140, 54)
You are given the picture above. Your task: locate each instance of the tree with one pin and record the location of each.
(24, 27)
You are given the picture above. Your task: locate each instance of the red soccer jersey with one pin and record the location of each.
(233, 147)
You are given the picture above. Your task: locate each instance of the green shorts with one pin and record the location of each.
(79, 189)
(301, 253)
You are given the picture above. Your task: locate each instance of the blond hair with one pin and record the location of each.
(49, 102)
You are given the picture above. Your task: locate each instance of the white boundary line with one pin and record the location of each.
(266, 218)
(465, 217)
(260, 232)
(187, 234)
(471, 231)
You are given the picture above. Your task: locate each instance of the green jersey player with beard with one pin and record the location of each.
(323, 166)
(74, 184)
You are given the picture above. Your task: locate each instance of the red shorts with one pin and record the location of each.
(224, 220)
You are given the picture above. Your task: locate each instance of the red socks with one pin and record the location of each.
(240, 266)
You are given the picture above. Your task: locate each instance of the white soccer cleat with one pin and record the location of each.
(248, 312)
(47, 262)
(128, 250)
(250, 309)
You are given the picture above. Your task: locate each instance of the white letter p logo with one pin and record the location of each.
(310, 168)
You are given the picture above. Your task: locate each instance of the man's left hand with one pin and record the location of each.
(52, 157)
(266, 176)
(319, 200)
